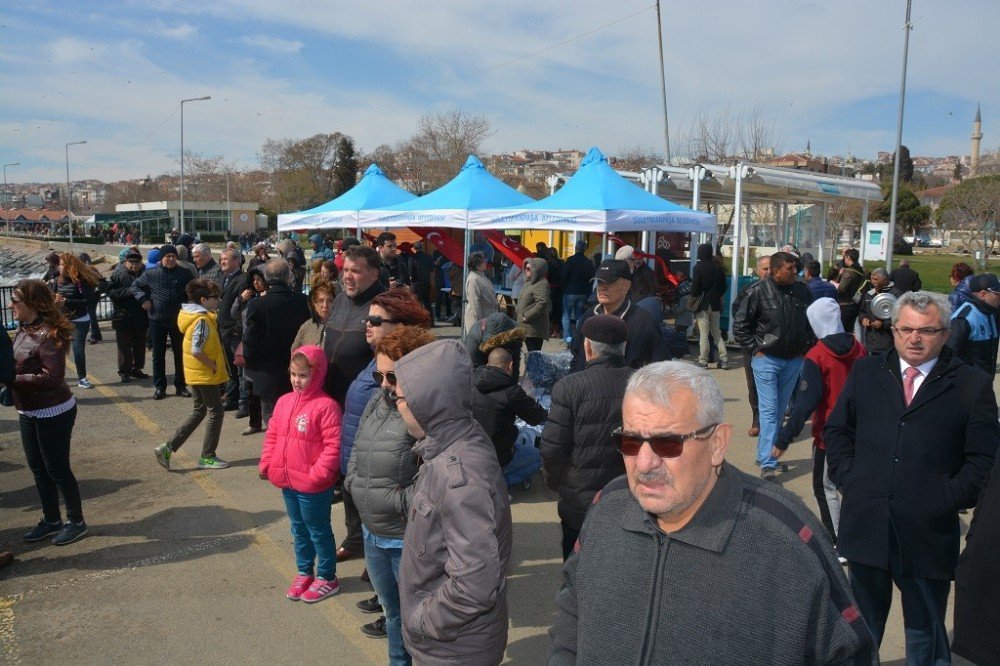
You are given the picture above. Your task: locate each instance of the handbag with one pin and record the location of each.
(699, 302)
(6, 397)
(238, 359)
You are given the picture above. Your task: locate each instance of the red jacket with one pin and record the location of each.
(302, 445)
(834, 369)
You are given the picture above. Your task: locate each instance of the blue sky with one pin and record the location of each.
(113, 73)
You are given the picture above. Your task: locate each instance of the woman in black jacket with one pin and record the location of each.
(708, 285)
(76, 290)
(47, 408)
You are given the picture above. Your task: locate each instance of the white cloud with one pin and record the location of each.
(273, 44)
(181, 31)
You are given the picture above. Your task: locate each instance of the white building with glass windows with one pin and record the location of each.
(209, 219)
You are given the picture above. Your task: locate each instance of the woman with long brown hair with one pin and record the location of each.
(47, 408)
(75, 290)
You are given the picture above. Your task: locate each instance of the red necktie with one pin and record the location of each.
(909, 375)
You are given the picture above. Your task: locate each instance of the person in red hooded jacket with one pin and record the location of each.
(301, 455)
(824, 373)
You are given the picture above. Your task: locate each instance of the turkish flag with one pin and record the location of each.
(511, 249)
(449, 247)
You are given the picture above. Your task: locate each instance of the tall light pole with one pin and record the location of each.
(183, 101)
(663, 84)
(6, 217)
(907, 26)
(69, 199)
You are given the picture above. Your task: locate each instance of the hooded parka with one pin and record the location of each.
(452, 577)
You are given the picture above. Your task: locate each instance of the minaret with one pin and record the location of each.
(809, 147)
(977, 137)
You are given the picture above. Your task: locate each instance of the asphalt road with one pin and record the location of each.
(191, 566)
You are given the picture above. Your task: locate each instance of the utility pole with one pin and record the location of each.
(183, 101)
(69, 199)
(907, 27)
(6, 216)
(663, 84)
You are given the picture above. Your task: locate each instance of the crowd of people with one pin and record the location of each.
(356, 398)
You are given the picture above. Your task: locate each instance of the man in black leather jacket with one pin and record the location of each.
(771, 326)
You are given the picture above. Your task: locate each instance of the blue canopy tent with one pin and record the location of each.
(450, 205)
(374, 190)
(597, 199)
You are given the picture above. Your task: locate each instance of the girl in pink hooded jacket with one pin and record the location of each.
(301, 456)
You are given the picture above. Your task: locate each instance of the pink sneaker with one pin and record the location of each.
(299, 586)
(321, 589)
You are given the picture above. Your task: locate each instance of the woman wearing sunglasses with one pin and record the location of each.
(381, 468)
(389, 310)
(47, 408)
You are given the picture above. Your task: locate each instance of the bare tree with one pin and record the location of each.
(972, 207)
(727, 136)
(304, 171)
(841, 214)
(636, 158)
(441, 144)
(989, 163)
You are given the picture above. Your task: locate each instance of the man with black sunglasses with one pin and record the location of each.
(685, 559)
(577, 455)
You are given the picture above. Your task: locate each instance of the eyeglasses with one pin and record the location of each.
(667, 445)
(377, 321)
(379, 377)
(924, 332)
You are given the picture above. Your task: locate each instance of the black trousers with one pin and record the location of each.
(925, 602)
(569, 536)
(819, 491)
(354, 541)
(46, 448)
(751, 387)
(533, 344)
(131, 343)
(158, 333)
(231, 395)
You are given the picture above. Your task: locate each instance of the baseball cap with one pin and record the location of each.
(612, 270)
(985, 282)
(625, 252)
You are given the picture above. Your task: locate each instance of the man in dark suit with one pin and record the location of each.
(231, 282)
(910, 443)
(272, 322)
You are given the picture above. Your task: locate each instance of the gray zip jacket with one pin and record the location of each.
(381, 468)
(452, 577)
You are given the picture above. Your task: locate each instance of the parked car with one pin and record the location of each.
(900, 246)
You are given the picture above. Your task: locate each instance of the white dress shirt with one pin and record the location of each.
(924, 368)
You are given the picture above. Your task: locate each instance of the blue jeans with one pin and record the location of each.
(309, 514)
(383, 569)
(573, 307)
(775, 379)
(81, 329)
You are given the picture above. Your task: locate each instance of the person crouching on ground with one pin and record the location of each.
(204, 369)
(301, 455)
(456, 549)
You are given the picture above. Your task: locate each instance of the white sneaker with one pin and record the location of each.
(84, 383)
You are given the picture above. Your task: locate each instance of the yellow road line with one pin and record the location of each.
(9, 654)
(279, 560)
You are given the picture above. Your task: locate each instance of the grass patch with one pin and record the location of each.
(934, 269)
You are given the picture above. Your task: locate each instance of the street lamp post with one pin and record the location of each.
(69, 212)
(183, 101)
(6, 216)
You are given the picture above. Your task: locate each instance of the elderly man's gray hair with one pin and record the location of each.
(233, 253)
(921, 301)
(658, 383)
(276, 271)
(203, 248)
(881, 272)
(604, 349)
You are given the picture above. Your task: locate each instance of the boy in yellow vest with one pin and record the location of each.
(205, 369)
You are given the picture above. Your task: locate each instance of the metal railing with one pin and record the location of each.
(104, 308)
